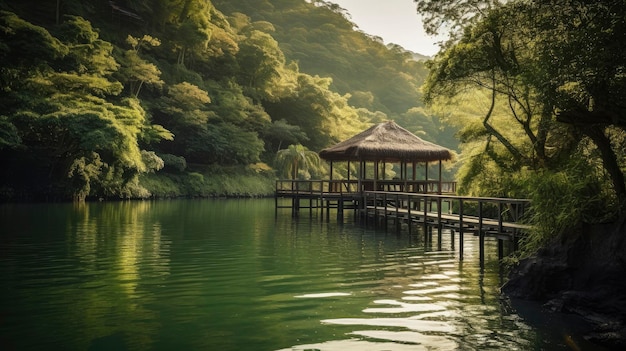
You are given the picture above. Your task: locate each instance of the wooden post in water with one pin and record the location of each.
(481, 235)
(398, 221)
(499, 217)
(461, 229)
(295, 206)
(439, 224)
(452, 239)
(340, 209)
(385, 209)
(409, 218)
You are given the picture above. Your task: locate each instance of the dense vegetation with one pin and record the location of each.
(541, 85)
(126, 99)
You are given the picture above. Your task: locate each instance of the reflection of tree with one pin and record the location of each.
(119, 247)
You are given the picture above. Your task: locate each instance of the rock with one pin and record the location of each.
(582, 273)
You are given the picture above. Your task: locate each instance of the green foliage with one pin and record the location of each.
(260, 64)
(25, 44)
(81, 173)
(173, 162)
(229, 145)
(152, 161)
(238, 182)
(561, 200)
(68, 118)
(136, 71)
(515, 72)
(296, 162)
(9, 136)
(383, 81)
(88, 54)
(91, 104)
(281, 132)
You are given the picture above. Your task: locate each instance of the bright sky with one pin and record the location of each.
(396, 21)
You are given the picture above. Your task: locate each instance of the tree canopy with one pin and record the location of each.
(541, 87)
(97, 94)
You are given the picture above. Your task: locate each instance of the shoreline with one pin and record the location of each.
(580, 273)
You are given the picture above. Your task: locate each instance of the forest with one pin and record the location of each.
(164, 98)
(161, 98)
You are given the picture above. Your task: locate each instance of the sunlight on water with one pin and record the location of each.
(322, 295)
(358, 345)
(229, 275)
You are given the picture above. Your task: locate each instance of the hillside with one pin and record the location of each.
(110, 99)
(323, 41)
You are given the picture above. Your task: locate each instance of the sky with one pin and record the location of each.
(396, 21)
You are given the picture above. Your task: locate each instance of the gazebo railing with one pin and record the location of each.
(302, 187)
(344, 186)
(411, 186)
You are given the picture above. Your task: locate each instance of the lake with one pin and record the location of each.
(230, 275)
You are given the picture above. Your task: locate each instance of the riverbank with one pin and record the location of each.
(211, 182)
(197, 181)
(580, 273)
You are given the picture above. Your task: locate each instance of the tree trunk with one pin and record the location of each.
(492, 131)
(609, 159)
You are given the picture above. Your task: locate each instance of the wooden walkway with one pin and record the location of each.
(480, 216)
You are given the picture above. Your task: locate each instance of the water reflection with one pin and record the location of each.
(432, 302)
(228, 275)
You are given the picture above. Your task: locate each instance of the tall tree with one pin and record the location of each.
(585, 71)
(548, 60)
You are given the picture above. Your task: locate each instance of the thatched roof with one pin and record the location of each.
(386, 142)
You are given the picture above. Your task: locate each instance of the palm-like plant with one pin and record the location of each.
(295, 158)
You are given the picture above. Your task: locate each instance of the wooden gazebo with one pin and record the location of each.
(384, 143)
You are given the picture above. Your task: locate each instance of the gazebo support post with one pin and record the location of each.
(440, 172)
(404, 174)
(426, 177)
(361, 175)
(330, 184)
(348, 175)
(413, 176)
(376, 165)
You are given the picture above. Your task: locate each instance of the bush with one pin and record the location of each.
(561, 200)
(215, 181)
(173, 162)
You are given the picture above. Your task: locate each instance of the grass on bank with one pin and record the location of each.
(198, 181)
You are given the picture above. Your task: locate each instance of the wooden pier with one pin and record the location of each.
(431, 204)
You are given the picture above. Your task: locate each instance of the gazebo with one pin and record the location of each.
(384, 143)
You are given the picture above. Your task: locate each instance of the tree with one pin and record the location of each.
(136, 71)
(494, 59)
(76, 136)
(557, 66)
(585, 72)
(453, 16)
(280, 132)
(261, 63)
(297, 159)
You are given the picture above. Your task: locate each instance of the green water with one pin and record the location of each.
(229, 275)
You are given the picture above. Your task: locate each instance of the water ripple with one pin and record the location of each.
(230, 275)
